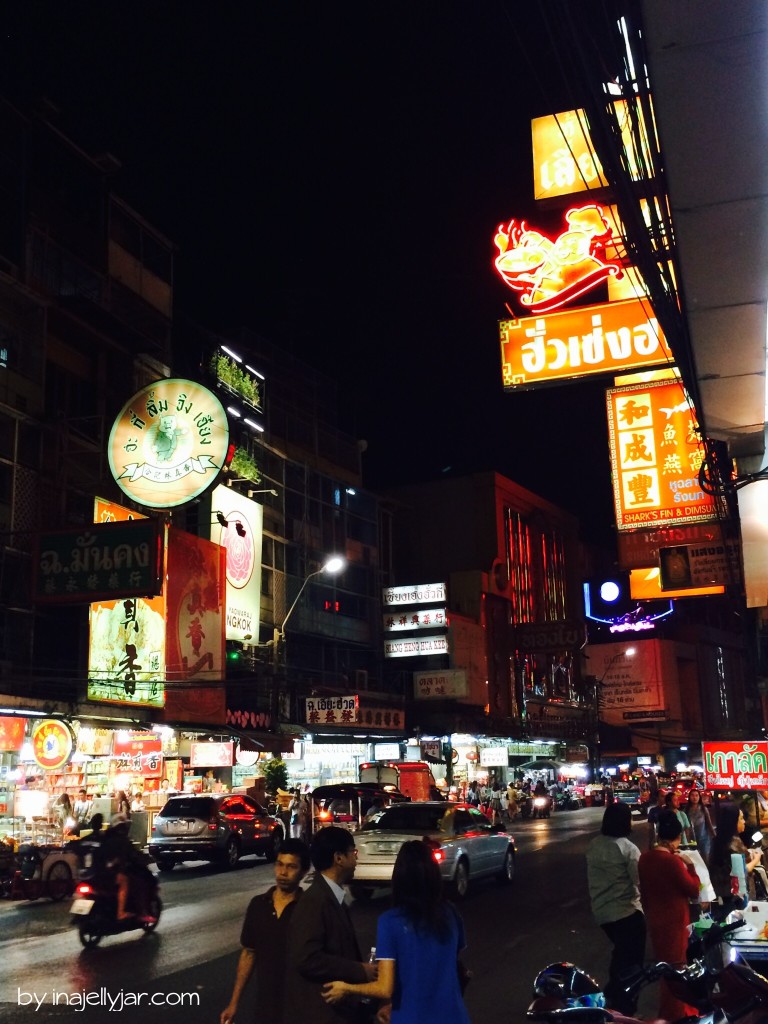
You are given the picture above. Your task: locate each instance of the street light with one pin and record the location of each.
(333, 566)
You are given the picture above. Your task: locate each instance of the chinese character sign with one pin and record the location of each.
(332, 710)
(138, 753)
(656, 455)
(195, 595)
(415, 618)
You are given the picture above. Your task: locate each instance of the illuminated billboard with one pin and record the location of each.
(656, 454)
(168, 443)
(137, 644)
(614, 337)
(241, 538)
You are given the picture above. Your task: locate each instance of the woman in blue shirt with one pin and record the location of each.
(418, 944)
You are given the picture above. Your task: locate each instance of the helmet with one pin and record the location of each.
(568, 983)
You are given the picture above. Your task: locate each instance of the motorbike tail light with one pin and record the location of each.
(83, 889)
(324, 815)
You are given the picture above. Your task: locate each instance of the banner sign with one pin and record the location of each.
(100, 562)
(556, 347)
(450, 682)
(242, 540)
(742, 765)
(211, 755)
(639, 549)
(12, 731)
(631, 686)
(656, 454)
(415, 648)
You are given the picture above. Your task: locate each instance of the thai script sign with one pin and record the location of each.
(168, 443)
(419, 593)
(494, 757)
(564, 159)
(331, 710)
(449, 682)
(688, 566)
(428, 618)
(630, 680)
(548, 272)
(640, 548)
(415, 647)
(609, 338)
(742, 765)
(100, 562)
(656, 454)
(540, 637)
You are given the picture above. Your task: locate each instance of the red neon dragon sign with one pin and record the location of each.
(550, 272)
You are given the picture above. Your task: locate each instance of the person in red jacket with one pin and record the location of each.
(668, 881)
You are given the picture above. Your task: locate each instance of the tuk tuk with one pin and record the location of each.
(347, 803)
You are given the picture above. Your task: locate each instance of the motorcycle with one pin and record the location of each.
(722, 994)
(94, 908)
(542, 805)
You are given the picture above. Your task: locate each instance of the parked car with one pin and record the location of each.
(465, 845)
(217, 827)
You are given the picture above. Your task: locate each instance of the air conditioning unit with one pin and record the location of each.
(361, 678)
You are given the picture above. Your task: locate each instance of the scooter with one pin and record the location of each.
(542, 805)
(730, 994)
(94, 908)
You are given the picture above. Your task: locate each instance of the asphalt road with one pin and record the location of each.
(513, 931)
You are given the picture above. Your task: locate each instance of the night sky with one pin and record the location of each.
(333, 177)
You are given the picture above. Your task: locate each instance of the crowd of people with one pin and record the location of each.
(687, 869)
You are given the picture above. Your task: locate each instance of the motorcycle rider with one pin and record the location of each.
(119, 860)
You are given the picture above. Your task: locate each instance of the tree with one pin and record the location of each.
(276, 774)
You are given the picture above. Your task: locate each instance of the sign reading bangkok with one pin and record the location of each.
(168, 443)
(735, 765)
(610, 338)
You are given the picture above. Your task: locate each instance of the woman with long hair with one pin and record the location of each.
(614, 890)
(701, 822)
(418, 943)
(727, 841)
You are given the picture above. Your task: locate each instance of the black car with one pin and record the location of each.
(218, 827)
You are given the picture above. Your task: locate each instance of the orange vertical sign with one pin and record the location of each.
(656, 455)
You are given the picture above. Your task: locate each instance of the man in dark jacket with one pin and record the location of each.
(322, 945)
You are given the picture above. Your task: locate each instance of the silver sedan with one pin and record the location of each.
(464, 843)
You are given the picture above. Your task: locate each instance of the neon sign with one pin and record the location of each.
(548, 272)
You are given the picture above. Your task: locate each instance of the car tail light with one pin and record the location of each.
(438, 854)
(83, 889)
(213, 824)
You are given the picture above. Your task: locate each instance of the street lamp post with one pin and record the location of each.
(333, 565)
